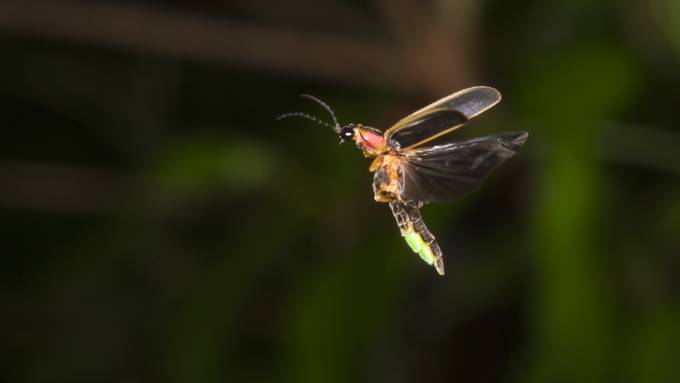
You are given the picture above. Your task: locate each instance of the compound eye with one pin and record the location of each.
(347, 133)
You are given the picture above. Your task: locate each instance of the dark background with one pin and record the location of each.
(158, 224)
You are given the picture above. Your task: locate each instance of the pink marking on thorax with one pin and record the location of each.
(371, 139)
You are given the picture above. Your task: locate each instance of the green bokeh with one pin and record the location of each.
(160, 225)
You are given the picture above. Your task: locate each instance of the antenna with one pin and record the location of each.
(335, 127)
(304, 115)
(325, 106)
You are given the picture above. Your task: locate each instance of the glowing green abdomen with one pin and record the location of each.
(419, 246)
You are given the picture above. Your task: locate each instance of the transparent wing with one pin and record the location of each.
(441, 117)
(448, 172)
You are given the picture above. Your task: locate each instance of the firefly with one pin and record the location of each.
(411, 168)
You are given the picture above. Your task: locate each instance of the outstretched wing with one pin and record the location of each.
(440, 117)
(448, 172)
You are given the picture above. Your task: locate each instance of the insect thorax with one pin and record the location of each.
(369, 140)
(387, 180)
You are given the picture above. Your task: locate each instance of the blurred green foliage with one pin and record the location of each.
(160, 225)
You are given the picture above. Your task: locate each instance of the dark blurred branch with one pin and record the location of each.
(644, 146)
(59, 188)
(163, 31)
(437, 40)
(331, 15)
(81, 190)
(651, 148)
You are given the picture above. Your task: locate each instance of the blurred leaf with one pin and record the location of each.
(654, 345)
(667, 13)
(207, 164)
(569, 89)
(586, 81)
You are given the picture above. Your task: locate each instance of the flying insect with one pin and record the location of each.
(412, 168)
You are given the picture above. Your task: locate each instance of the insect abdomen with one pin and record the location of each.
(416, 234)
